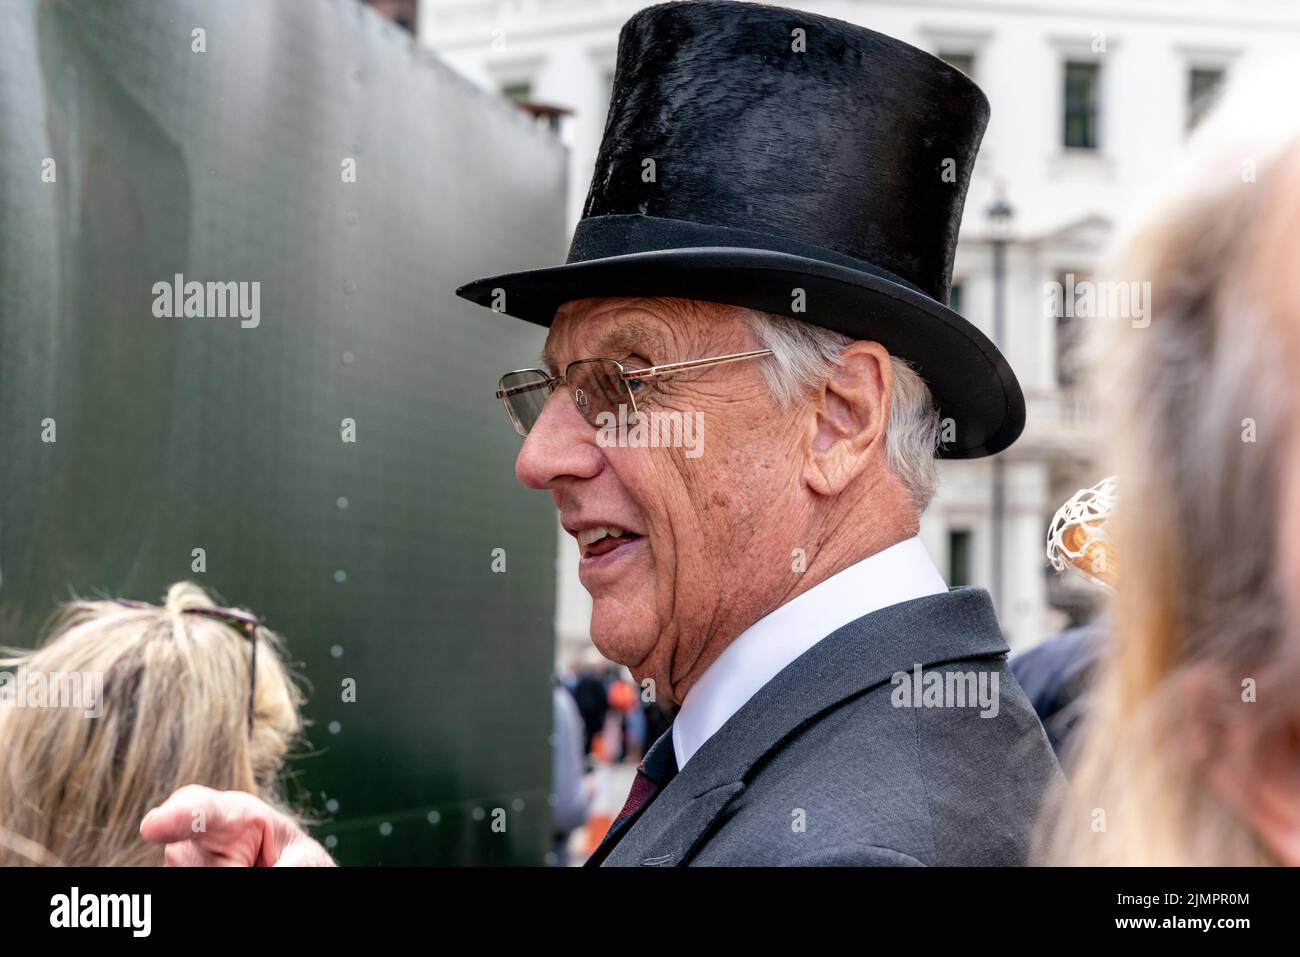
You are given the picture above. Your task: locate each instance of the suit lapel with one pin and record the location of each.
(669, 830)
(852, 660)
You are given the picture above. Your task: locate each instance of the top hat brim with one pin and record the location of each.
(971, 381)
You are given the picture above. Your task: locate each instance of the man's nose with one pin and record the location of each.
(560, 444)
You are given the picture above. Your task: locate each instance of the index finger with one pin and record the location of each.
(220, 815)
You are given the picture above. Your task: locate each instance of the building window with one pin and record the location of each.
(520, 92)
(960, 61)
(954, 297)
(1203, 85)
(958, 557)
(1081, 80)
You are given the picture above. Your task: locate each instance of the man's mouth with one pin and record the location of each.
(602, 539)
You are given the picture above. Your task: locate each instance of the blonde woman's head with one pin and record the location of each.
(172, 710)
(1191, 750)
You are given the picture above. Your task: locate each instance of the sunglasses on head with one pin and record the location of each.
(242, 621)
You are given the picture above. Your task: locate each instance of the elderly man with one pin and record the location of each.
(765, 254)
(766, 251)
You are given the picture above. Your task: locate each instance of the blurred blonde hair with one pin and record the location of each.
(73, 789)
(1201, 608)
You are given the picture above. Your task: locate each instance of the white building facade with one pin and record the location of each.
(1092, 102)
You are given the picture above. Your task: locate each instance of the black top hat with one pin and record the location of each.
(790, 152)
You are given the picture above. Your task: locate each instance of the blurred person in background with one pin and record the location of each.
(179, 706)
(634, 726)
(1190, 751)
(1056, 675)
(570, 798)
(593, 704)
(1058, 672)
(622, 739)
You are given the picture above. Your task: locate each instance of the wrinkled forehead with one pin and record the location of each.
(657, 330)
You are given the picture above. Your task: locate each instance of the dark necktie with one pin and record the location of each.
(644, 788)
(652, 775)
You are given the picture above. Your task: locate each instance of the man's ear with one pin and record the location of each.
(845, 427)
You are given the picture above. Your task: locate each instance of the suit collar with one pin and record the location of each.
(863, 654)
(899, 573)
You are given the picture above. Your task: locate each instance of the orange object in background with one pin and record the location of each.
(622, 696)
(598, 826)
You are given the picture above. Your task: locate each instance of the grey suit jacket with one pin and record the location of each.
(830, 762)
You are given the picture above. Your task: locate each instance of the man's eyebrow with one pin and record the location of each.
(631, 338)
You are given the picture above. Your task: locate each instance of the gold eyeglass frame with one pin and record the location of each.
(550, 382)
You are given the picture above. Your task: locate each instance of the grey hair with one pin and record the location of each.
(804, 356)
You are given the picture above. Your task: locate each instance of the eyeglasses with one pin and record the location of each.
(598, 387)
(242, 620)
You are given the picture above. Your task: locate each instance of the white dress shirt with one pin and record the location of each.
(897, 574)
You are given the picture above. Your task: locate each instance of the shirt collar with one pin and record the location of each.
(896, 574)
